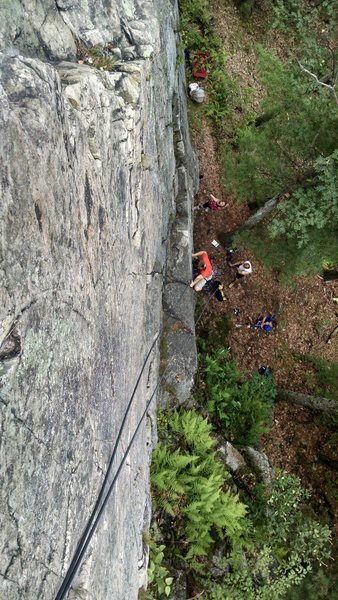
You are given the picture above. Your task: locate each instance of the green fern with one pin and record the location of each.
(188, 484)
(195, 430)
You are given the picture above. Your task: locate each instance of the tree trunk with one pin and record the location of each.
(271, 204)
(311, 402)
(262, 212)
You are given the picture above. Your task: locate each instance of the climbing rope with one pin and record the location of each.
(74, 564)
(98, 510)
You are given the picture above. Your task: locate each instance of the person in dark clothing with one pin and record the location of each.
(216, 289)
(264, 370)
(265, 323)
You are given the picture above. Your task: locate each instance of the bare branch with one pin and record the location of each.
(330, 87)
(328, 340)
(311, 402)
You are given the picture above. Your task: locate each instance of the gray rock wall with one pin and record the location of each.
(94, 216)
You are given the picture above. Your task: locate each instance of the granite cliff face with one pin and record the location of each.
(97, 176)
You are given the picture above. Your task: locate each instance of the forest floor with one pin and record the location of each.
(304, 310)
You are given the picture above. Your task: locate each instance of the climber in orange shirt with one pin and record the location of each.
(204, 269)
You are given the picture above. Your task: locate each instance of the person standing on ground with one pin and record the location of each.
(204, 270)
(243, 269)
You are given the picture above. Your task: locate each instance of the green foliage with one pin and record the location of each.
(282, 506)
(326, 375)
(248, 174)
(195, 24)
(241, 408)
(287, 545)
(159, 580)
(223, 92)
(188, 484)
(314, 30)
(246, 7)
(314, 207)
(313, 27)
(213, 334)
(318, 585)
(291, 144)
(197, 36)
(300, 123)
(284, 256)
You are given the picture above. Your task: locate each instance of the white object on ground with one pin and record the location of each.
(196, 92)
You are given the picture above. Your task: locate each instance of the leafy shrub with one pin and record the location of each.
(188, 484)
(320, 584)
(314, 28)
(213, 334)
(284, 548)
(159, 579)
(242, 408)
(195, 24)
(315, 207)
(223, 92)
(158, 576)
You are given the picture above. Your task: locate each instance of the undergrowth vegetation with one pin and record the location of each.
(240, 407)
(189, 488)
(256, 536)
(285, 546)
(286, 259)
(259, 540)
(324, 375)
(96, 56)
(197, 36)
(290, 143)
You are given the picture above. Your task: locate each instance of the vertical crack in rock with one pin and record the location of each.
(65, 559)
(88, 202)
(38, 215)
(17, 553)
(127, 32)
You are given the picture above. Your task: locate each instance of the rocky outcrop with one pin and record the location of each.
(259, 463)
(97, 176)
(246, 466)
(179, 359)
(231, 457)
